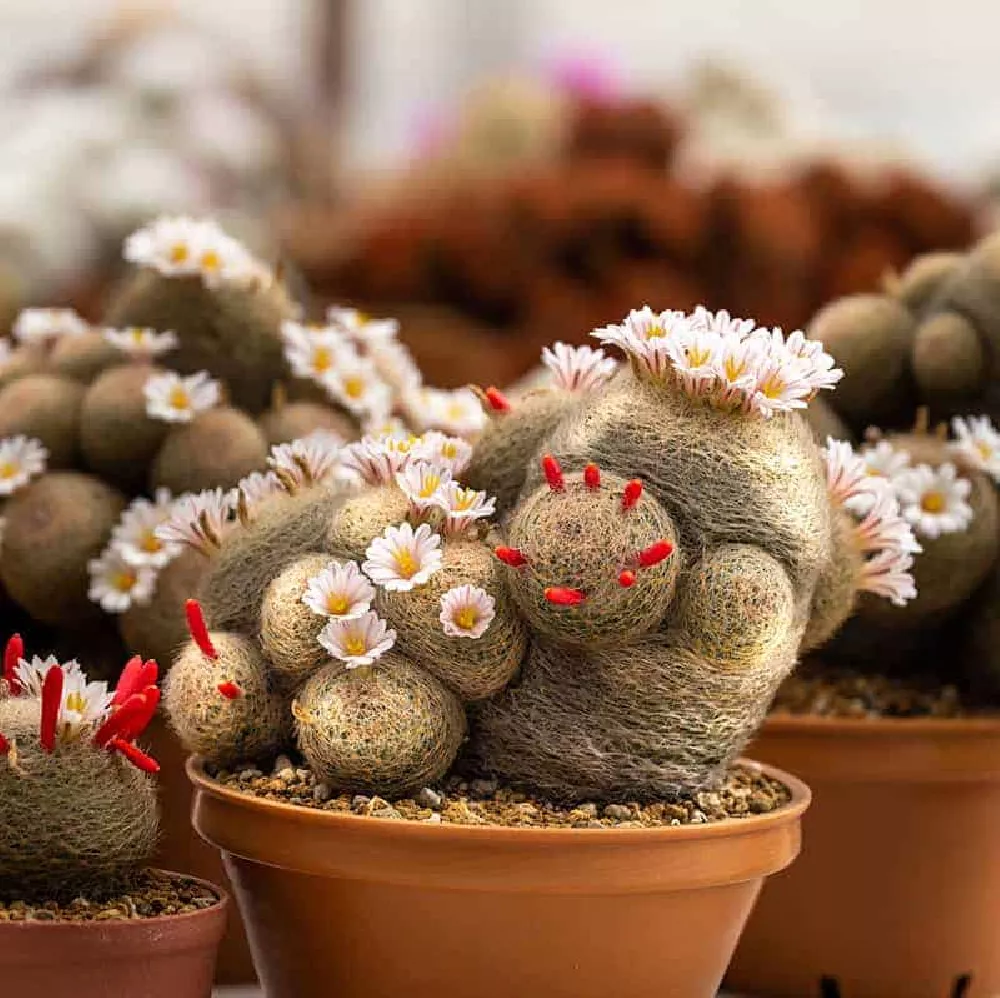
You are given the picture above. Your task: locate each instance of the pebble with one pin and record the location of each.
(429, 798)
(246, 775)
(744, 792)
(618, 812)
(280, 764)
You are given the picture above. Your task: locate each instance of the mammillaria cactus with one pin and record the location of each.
(77, 805)
(607, 587)
(931, 339)
(945, 489)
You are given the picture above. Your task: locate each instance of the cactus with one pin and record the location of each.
(946, 489)
(225, 307)
(78, 809)
(931, 339)
(666, 536)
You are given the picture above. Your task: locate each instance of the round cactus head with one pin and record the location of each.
(77, 805)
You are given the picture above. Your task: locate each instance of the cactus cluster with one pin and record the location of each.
(596, 599)
(920, 362)
(106, 427)
(931, 339)
(945, 488)
(78, 808)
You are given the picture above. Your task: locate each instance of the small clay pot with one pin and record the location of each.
(362, 907)
(172, 956)
(896, 892)
(179, 848)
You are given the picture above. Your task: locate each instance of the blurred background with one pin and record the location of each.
(503, 173)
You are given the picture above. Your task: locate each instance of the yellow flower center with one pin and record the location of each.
(149, 542)
(429, 486)
(210, 260)
(449, 450)
(467, 618)
(455, 410)
(985, 450)
(698, 356)
(8, 469)
(362, 318)
(76, 702)
(179, 398)
(734, 368)
(322, 360)
(932, 502)
(178, 253)
(124, 580)
(773, 386)
(354, 388)
(137, 334)
(464, 498)
(656, 333)
(355, 645)
(406, 564)
(337, 603)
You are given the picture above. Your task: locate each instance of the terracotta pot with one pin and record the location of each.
(897, 892)
(168, 957)
(364, 908)
(181, 849)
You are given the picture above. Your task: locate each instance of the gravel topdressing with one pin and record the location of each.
(851, 694)
(745, 792)
(151, 895)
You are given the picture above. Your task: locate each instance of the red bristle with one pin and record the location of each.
(12, 654)
(592, 476)
(626, 578)
(140, 720)
(632, 494)
(553, 473)
(230, 691)
(138, 758)
(497, 400)
(4, 745)
(655, 553)
(129, 681)
(564, 596)
(52, 689)
(120, 719)
(150, 673)
(510, 556)
(198, 629)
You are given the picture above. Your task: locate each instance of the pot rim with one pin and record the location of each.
(801, 797)
(124, 924)
(889, 750)
(496, 858)
(781, 722)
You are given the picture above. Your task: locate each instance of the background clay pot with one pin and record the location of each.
(896, 893)
(180, 848)
(367, 908)
(168, 957)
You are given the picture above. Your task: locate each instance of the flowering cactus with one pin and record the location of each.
(604, 587)
(77, 805)
(945, 491)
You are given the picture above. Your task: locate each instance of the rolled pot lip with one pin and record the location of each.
(220, 908)
(781, 722)
(791, 811)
